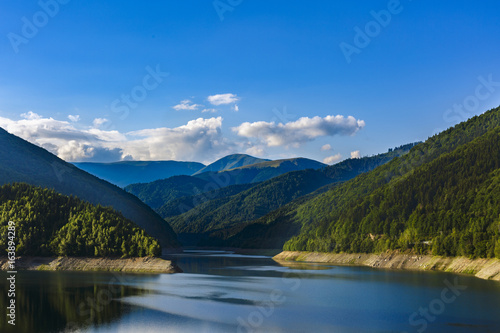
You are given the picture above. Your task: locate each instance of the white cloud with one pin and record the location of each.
(74, 118)
(199, 139)
(332, 159)
(355, 154)
(98, 122)
(236, 108)
(326, 147)
(196, 140)
(255, 151)
(303, 130)
(222, 99)
(186, 105)
(30, 115)
(209, 110)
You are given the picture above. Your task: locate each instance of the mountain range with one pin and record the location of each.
(441, 196)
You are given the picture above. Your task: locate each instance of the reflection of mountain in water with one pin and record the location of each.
(66, 300)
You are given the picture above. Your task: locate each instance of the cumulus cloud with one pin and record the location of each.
(209, 110)
(198, 139)
(255, 151)
(355, 154)
(186, 105)
(332, 159)
(223, 99)
(236, 108)
(30, 115)
(303, 130)
(98, 122)
(326, 147)
(75, 118)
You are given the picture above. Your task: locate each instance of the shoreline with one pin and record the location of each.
(106, 264)
(487, 269)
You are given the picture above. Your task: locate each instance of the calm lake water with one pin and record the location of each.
(223, 292)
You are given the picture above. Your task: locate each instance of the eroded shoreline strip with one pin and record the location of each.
(129, 265)
(488, 269)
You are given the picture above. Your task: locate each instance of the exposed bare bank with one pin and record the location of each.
(482, 268)
(144, 265)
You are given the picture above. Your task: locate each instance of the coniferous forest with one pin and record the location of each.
(49, 223)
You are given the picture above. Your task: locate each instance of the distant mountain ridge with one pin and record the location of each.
(129, 172)
(21, 161)
(230, 162)
(259, 172)
(160, 192)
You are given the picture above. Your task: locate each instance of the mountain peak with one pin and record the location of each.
(231, 162)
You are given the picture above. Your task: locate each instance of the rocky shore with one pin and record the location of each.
(134, 265)
(488, 269)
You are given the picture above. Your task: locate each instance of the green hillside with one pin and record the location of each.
(184, 204)
(21, 161)
(440, 197)
(250, 204)
(157, 193)
(48, 223)
(222, 217)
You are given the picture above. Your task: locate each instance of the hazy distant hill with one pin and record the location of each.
(231, 162)
(130, 172)
(21, 161)
(259, 172)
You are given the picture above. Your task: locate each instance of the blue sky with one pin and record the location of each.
(276, 70)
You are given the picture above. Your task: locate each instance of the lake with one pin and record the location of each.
(224, 292)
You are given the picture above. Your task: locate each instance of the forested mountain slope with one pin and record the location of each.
(48, 223)
(21, 161)
(441, 193)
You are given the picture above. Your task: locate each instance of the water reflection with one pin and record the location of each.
(221, 292)
(55, 301)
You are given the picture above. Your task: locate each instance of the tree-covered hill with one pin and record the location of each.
(441, 197)
(49, 223)
(184, 204)
(21, 161)
(159, 192)
(250, 204)
(222, 217)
